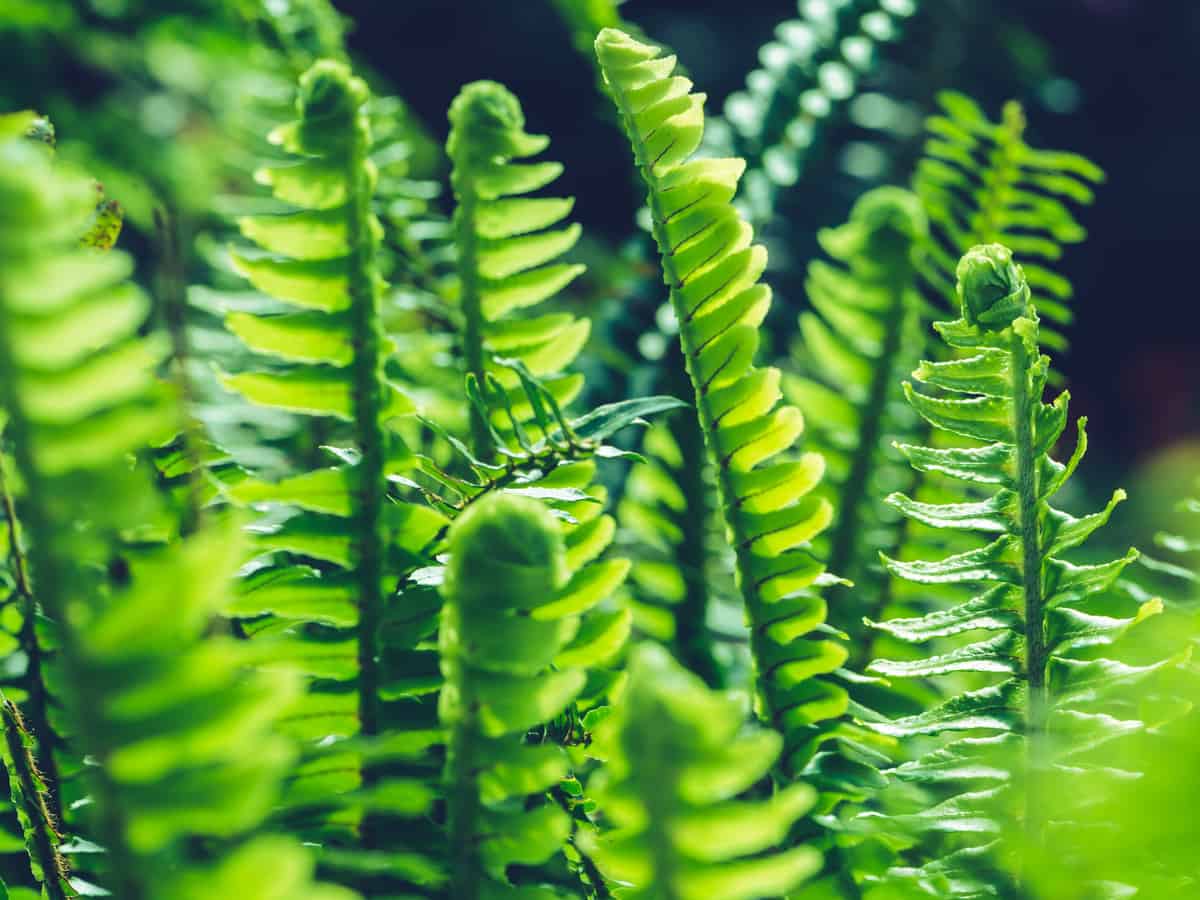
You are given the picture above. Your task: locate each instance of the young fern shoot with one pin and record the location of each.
(1031, 604)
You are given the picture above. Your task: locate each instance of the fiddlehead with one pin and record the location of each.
(511, 614)
(1030, 604)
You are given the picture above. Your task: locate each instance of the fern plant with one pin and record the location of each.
(865, 329)
(154, 708)
(1030, 604)
(510, 655)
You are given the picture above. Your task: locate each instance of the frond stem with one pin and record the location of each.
(1024, 406)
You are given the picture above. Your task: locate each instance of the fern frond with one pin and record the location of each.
(677, 757)
(508, 246)
(509, 647)
(812, 68)
(326, 601)
(157, 710)
(864, 331)
(712, 269)
(1029, 612)
(981, 183)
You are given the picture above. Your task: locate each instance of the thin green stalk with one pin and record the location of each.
(1031, 570)
(366, 371)
(38, 702)
(470, 301)
(23, 767)
(172, 295)
(462, 804)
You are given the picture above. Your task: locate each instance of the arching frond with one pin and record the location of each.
(712, 269)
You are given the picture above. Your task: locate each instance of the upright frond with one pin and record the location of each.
(1029, 615)
(509, 247)
(712, 268)
(864, 331)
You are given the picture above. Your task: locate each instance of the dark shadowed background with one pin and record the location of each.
(1116, 80)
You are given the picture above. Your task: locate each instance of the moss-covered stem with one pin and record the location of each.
(37, 705)
(1024, 407)
(40, 836)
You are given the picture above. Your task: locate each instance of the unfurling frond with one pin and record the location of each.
(510, 624)
(1029, 612)
(677, 757)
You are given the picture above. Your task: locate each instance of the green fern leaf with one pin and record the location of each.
(712, 268)
(1029, 605)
